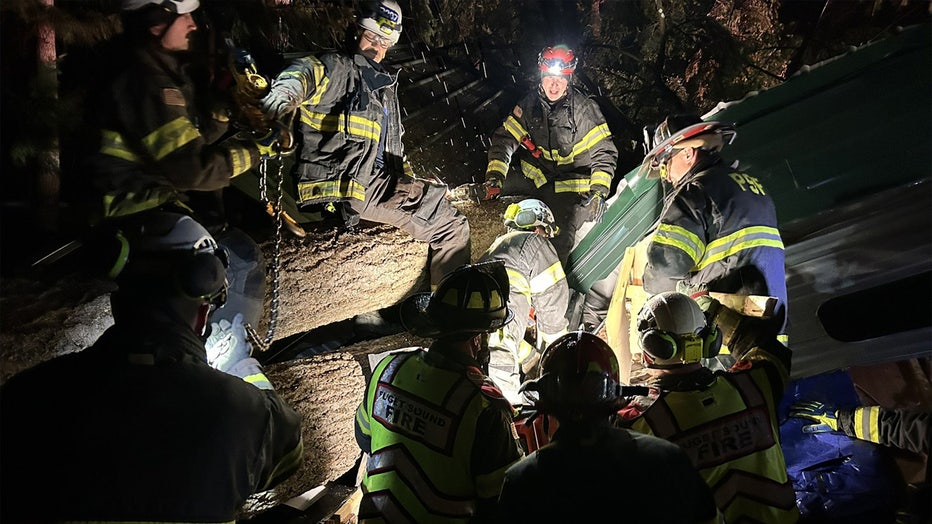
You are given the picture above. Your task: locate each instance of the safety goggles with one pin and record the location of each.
(525, 219)
(376, 40)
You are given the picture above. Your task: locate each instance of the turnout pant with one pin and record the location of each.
(421, 209)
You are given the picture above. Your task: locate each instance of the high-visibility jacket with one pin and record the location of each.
(728, 426)
(575, 146)
(138, 428)
(156, 143)
(537, 281)
(439, 437)
(718, 232)
(349, 122)
(897, 428)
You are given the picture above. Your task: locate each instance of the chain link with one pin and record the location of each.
(275, 266)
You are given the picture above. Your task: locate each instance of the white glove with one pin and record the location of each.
(227, 344)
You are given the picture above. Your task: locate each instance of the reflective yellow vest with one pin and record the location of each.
(422, 421)
(730, 433)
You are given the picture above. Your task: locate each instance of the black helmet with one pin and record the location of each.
(579, 377)
(169, 254)
(471, 299)
(682, 131)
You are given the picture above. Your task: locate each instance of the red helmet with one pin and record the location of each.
(579, 378)
(557, 61)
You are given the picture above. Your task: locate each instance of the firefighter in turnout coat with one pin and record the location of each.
(538, 286)
(350, 159)
(563, 145)
(718, 228)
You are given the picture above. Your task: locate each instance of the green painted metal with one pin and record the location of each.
(836, 132)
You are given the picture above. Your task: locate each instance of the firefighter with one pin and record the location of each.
(438, 432)
(589, 464)
(350, 160)
(161, 148)
(138, 427)
(564, 146)
(725, 420)
(537, 287)
(157, 141)
(718, 227)
(896, 428)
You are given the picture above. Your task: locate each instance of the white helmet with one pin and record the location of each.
(673, 331)
(178, 7)
(383, 19)
(528, 214)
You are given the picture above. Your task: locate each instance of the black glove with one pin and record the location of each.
(595, 201)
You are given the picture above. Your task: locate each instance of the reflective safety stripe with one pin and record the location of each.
(498, 166)
(737, 484)
(867, 423)
(358, 126)
(259, 380)
(548, 278)
(170, 137)
(680, 238)
(241, 160)
(407, 169)
(600, 178)
(362, 419)
(290, 462)
(519, 283)
(322, 81)
(594, 136)
(382, 506)
(113, 144)
(533, 173)
(331, 189)
(515, 128)
(747, 238)
(398, 461)
(575, 185)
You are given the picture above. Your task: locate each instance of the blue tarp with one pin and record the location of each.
(837, 478)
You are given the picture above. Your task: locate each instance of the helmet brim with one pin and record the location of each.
(417, 321)
(691, 136)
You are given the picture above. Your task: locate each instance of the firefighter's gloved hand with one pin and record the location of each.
(268, 145)
(492, 187)
(278, 103)
(227, 344)
(595, 202)
(823, 416)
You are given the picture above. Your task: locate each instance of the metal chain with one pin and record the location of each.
(274, 268)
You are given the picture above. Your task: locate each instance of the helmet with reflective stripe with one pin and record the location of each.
(529, 214)
(682, 131)
(178, 7)
(673, 330)
(382, 18)
(579, 378)
(471, 299)
(557, 61)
